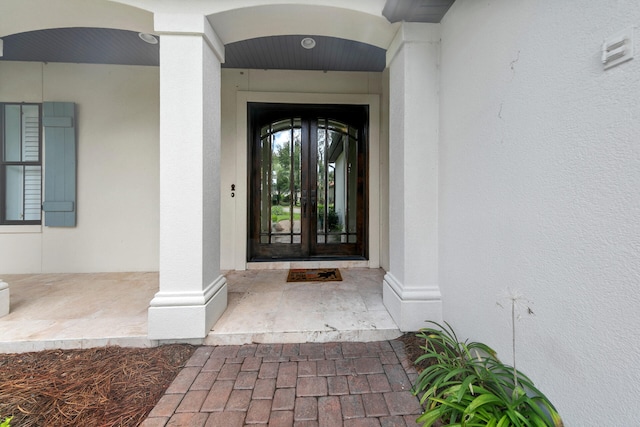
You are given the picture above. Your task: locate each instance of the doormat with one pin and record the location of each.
(314, 275)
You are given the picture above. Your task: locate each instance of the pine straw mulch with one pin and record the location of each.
(412, 349)
(109, 386)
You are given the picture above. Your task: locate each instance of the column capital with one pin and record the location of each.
(412, 32)
(189, 24)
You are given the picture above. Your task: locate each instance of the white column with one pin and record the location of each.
(410, 290)
(193, 293)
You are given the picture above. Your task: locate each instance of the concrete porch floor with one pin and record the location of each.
(90, 310)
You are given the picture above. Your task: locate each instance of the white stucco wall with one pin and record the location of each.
(293, 87)
(118, 192)
(540, 171)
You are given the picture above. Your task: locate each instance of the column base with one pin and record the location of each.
(187, 315)
(410, 308)
(4, 298)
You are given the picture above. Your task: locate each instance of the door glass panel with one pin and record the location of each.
(351, 185)
(337, 171)
(280, 147)
(265, 188)
(321, 215)
(296, 183)
(321, 182)
(333, 221)
(280, 175)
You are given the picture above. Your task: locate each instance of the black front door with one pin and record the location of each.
(308, 180)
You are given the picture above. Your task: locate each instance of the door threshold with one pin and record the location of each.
(285, 265)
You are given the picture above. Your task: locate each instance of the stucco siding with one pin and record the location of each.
(118, 190)
(539, 194)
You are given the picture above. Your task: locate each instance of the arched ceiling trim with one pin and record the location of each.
(20, 16)
(210, 7)
(278, 20)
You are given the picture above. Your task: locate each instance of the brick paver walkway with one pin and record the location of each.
(312, 384)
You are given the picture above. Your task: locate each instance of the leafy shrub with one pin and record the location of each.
(276, 212)
(333, 219)
(466, 385)
(6, 422)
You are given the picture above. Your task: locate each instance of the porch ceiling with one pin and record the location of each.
(81, 45)
(116, 46)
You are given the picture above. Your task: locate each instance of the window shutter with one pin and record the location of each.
(58, 120)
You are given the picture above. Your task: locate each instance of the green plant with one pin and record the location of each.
(333, 220)
(276, 212)
(465, 385)
(6, 422)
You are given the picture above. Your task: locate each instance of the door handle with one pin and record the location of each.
(303, 201)
(313, 200)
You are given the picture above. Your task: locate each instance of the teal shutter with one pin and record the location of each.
(59, 206)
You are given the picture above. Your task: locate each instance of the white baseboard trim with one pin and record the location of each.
(411, 307)
(187, 315)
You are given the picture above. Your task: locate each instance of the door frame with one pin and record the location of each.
(240, 205)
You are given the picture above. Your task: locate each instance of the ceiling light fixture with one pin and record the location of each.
(308, 43)
(149, 38)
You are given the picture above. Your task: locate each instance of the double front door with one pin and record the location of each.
(308, 181)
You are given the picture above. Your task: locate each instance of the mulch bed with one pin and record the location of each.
(412, 349)
(109, 386)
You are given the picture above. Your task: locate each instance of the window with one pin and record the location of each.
(20, 163)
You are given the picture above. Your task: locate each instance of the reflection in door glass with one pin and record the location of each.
(280, 151)
(336, 182)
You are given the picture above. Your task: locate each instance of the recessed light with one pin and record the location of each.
(149, 38)
(308, 43)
